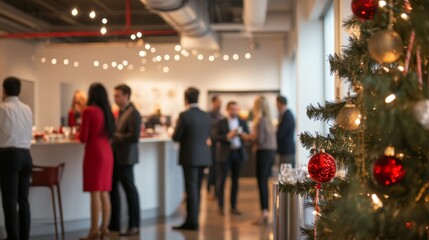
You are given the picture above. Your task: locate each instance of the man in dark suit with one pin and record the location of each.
(125, 149)
(285, 133)
(215, 117)
(193, 133)
(230, 135)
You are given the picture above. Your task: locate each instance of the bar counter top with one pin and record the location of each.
(73, 141)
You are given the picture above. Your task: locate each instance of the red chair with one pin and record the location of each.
(44, 176)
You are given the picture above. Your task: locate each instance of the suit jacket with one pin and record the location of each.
(286, 134)
(126, 137)
(223, 144)
(192, 131)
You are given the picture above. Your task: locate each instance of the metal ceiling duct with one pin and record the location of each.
(267, 15)
(189, 18)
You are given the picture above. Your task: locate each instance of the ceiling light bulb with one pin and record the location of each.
(147, 46)
(120, 66)
(125, 62)
(200, 57)
(92, 14)
(96, 63)
(166, 69)
(211, 58)
(158, 58)
(166, 57)
(114, 64)
(139, 34)
(177, 57)
(390, 98)
(54, 61)
(104, 20)
(76, 64)
(153, 50)
(66, 61)
(43, 60)
(225, 57)
(105, 66)
(178, 48)
(142, 53)
(235, 56)
(74, 12)
(133, 37)
(248, 55)
(103, 30)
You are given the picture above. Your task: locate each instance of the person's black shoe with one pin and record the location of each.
(131, 232)
(186, 226)
(235, 212)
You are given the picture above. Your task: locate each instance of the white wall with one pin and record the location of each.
(261, 72)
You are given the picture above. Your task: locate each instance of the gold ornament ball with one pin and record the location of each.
(349, 117)
(385, 46)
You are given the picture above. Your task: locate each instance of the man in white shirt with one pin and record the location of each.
(16, 121)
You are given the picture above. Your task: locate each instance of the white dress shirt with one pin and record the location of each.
(233, 123)
(16, 124)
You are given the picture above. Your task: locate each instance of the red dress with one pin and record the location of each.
(98, 159)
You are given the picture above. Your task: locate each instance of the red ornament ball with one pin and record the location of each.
(364, 9)
(388, 170)
(321, 167)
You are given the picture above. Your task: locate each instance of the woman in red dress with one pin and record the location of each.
(97, 128)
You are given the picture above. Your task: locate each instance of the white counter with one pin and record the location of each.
(158, 178)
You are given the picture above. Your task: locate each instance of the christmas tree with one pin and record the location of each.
(379, 133)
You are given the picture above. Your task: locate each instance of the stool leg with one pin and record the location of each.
(55, 212)
(61, 210)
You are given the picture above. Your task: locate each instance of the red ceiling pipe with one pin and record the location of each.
(86, 34)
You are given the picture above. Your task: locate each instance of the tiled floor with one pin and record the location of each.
(212, 225)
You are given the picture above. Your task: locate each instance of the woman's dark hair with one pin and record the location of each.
(97, 96)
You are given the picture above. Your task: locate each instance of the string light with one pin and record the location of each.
(130, 67)
(125, 62)
(401, 68)
(142, 53)
(144, 61)
(225, 57)
(147, 46)
(177, 48)
(142, 69)
(96, 63)
(382, 3)
(200, 57)
(120, 66)
(66, 61)
(177, 57)
(104, 20)
(74, 12)
(43, 60)
(166, 69)
(114, 64)
(103, 30)
(390, 98)
(139, 34)
(211, 58)
(105, 66)
(247, 55)
(76, 64)
(152, 50)
(158, 58)
(133, 37)
(54, 61)
(404, 16)
(235, 56)
(92, 14)
(166, 57)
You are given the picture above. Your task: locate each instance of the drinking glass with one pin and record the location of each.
(66, 131)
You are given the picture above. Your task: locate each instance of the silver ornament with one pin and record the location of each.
(421, 113)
